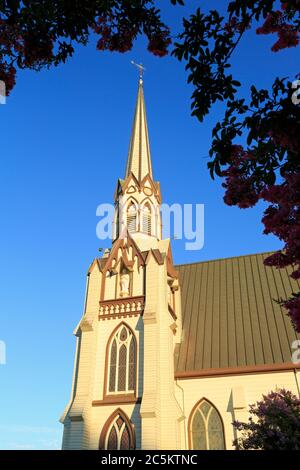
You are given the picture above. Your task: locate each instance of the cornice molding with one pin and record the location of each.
(256, 369)
(117, 400)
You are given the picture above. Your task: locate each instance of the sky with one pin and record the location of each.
(64, 140)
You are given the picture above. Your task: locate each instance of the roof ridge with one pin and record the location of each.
(223, 259)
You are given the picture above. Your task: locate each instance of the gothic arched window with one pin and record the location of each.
(122, 361)
(147, 219)
(118, 433)
(206, 428)
(132, 218)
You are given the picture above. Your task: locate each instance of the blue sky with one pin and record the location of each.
(64, 141)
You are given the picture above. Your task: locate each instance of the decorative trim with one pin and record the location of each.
(170, 265)
(120, 243)
(171, 311)
(128, 179)
(122, 186)
(123, 307)
(158, 256)
(264, 368)
(118, 316)
(118, 400)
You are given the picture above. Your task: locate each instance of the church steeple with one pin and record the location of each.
(124, 385)
(139, 156)
(138, 197)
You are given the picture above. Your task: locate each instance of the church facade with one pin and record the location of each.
(169, 356)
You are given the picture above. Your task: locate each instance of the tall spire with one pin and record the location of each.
(139, 157)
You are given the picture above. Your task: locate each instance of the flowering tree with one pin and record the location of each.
(268, 166)
(274, 424)
(41, 33)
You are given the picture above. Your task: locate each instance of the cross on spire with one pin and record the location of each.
(140, 67)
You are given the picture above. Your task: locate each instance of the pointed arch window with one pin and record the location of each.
(122, 362)
(147, 219)
(132, 218)
(118, 433)
(206, 428)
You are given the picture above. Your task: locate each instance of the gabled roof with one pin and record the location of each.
(125, 242)
(230, 315)
(139, 157)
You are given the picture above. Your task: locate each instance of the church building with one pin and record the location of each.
(169, 356)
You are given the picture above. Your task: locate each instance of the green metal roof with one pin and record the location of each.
(230, 315)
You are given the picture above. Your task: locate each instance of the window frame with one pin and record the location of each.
(110, 423)
(147, 225)
(135, 216)
(206, 422)
(127, 393)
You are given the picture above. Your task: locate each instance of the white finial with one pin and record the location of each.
(141, 69)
